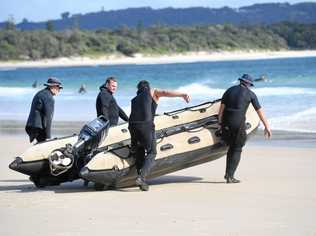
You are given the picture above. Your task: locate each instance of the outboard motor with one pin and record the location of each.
(90, 137)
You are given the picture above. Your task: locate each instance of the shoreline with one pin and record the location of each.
(140, 59)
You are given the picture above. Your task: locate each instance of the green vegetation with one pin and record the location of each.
(158, 39)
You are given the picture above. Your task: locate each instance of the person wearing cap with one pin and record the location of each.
(38, 125)
(232, 117)
(106, 104)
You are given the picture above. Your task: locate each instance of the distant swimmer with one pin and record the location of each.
(82, 89)
(34, 85)
(39, 122)
(232, 121)
(262, 78)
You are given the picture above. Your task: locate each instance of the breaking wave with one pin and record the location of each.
(304, 121)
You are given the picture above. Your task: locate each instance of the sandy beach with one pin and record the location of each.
(162, 59)
(277, 196)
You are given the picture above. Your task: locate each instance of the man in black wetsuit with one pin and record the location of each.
(234, 105)
(39, 122)
(106, 104)
(142, 128)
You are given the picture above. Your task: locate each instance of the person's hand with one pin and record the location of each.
(218, 132)
(267, 132)
(186, 97)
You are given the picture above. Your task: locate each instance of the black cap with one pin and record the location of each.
(52, 81)
(247, 79)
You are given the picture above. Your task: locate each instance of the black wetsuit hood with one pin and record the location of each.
(143, 89)
(103, 87)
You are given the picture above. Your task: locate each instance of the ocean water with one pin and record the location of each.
(288, 98)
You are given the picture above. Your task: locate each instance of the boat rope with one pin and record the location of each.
(192, 127)
(175, 112)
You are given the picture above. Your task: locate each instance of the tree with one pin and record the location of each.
(126, 48)
(10, 24)
(49, 26)
(75, 22)
(65, 15)
(140, 27)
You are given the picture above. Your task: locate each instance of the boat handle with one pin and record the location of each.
(175, 117)
(202, 110)
(166, 147)
(194, 139)
(248, 125)
(124, 130)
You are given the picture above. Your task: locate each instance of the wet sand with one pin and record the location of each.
(277, 196)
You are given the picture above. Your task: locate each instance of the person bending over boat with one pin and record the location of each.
(234, 105)
(39, 122)
(106, 104)
(142, 128)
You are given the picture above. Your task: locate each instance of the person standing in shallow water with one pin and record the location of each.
(82, 89)
(106, 104)
(39, 122)
(232, 118)
(142, 128)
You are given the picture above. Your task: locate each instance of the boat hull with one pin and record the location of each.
(126, 177)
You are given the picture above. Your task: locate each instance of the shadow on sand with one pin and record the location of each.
(78, 186)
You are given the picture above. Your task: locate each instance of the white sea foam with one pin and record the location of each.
(22, 92)
(283, 91)
(15, 91)
(7, 68)
(76, 97)
(201, 90)
(304, 121)
(194, 89)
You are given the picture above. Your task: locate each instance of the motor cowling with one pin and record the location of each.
(90, 137)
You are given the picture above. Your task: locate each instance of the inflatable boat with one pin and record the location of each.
(100, 154)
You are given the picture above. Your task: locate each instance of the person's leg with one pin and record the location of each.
(139, 163)
(228, 136)
(235, 155)
(133, 140)
(234, 161)
(228, 162)
(151, 152)
(139, 159)
(32, 133)
(150, 156)
(137, 151)
(41, 137)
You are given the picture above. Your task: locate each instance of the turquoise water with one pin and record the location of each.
(288, 98)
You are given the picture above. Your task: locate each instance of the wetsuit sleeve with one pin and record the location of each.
(39, 105)
(254, 101)
(122, 114)
(224, 98)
